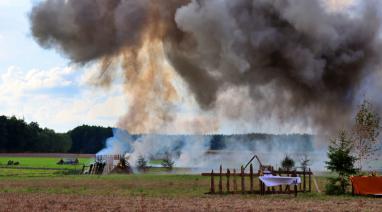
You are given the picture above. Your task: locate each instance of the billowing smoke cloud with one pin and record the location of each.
(207, 152)
(293, 59)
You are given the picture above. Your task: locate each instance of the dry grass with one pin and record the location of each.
(155, 193)
(61, 202)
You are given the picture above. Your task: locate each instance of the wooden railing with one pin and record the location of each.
(231, 181)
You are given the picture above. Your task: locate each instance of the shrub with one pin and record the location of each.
(336, 186)
(168, 162)
(287, 163)
(141, 163)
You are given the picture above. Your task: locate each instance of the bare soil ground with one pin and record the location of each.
(60, 202)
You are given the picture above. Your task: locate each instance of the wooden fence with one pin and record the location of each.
(230, 186)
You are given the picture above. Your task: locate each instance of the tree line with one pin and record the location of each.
(18, 136)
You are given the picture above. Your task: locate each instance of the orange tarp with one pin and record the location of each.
(370, 185)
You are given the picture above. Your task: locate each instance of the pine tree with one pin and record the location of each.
(287, 163)
(340, 161)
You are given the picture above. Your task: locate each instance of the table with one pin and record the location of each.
(270, 181)
(279, 180)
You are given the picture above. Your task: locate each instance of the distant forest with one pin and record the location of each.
(18, 136)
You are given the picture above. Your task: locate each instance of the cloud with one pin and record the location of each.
(338, 5)
(15, 82)
(36, 96)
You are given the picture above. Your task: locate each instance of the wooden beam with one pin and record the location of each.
(242, 180)
(228, 185)
(234, 181)
(310, 180)
(220, 180)
(251, 177)
(212, 187)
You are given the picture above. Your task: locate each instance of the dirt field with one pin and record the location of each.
(51, 190)
(49, 202)
(156, 193)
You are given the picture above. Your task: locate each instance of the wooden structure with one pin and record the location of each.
(231, 182)
(103, 164)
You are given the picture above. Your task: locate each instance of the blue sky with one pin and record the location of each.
(41, 85)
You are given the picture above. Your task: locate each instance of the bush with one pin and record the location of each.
(168, 162)
(287, 163)
(141, 163)
(336, 186)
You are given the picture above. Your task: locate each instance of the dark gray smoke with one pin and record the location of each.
(294, 58)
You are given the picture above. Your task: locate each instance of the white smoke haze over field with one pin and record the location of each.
(208, 152)
(266, 65)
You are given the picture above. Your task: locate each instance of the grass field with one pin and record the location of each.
(42, 162)
(55, 190)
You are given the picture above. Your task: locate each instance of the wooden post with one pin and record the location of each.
(83, 169)
(212, 188)
(304, 174)
(251, 177)
(242, 180)
(310, 180)
(294, 174)
(300, 185)
(220, 180)
(287, 187)
(260, 183)
(234, 181)
(228, 186)
(280, 187)
(90, 169)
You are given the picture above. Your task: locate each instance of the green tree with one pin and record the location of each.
(287, 163)
(89, 139)
(141, 163)
(365, 132)
(168, 162)
(340, 161)
(18, 136)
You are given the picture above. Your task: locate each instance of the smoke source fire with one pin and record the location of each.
(295, 60)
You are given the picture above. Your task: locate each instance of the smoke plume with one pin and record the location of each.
(207, 152)
(293, 59)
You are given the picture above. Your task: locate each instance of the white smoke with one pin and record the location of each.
(194, 151)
